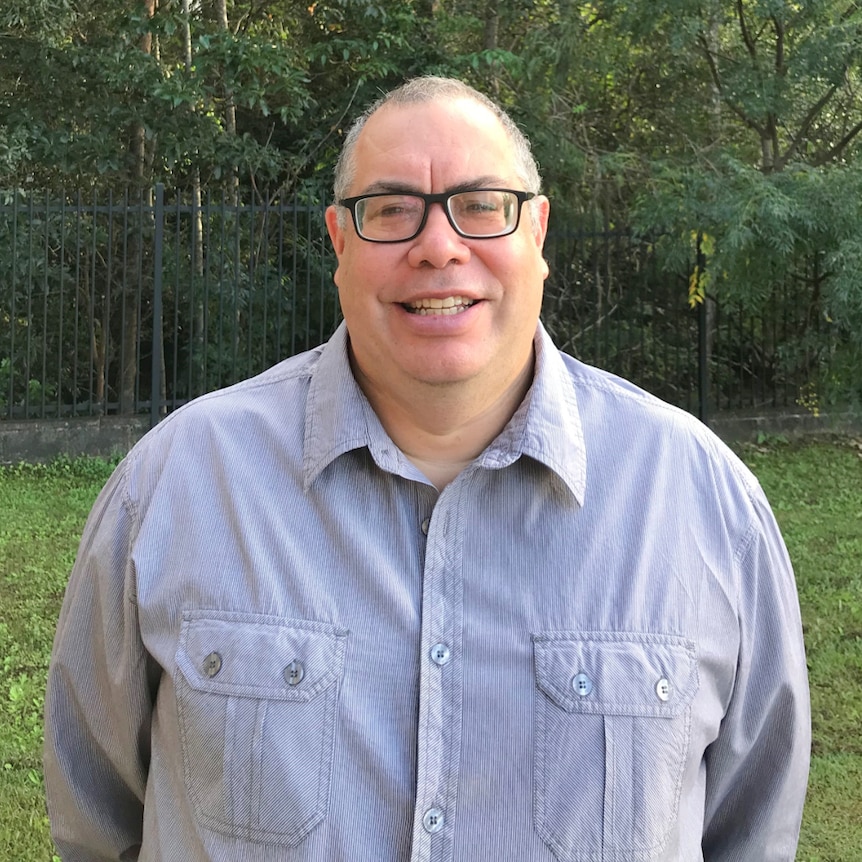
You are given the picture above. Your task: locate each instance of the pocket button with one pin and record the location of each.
(662, 690)
(582, 685)
(212, 664)
(294, 673)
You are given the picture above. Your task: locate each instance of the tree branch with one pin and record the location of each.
(743, 27)
(780, 68)
(306, 157)
(716, 77)
(834, 152)
(813, 112)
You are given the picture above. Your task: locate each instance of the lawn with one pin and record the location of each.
(815, 489)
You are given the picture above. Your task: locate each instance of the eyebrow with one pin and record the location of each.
(395, 187)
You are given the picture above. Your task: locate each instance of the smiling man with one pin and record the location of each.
(433, 591)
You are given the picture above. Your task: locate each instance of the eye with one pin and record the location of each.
(391, 210)
(481, 206)
(390, 207)
(478, 203)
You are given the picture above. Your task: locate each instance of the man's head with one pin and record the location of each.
(455, 302)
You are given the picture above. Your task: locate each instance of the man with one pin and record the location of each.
(433, 591)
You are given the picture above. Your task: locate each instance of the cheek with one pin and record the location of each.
(357, 286)
(525, 277)
(340, 283)
(347, 275)
(358, 264)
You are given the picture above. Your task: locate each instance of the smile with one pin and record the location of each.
(449, 305)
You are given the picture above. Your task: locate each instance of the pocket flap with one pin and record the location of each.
(254, 655)
(616, 673)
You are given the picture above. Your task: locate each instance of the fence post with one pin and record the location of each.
(157, 358)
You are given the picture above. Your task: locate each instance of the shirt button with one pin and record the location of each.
(212, 664)
(440, 654)
(582, 685)
(433, 820)
(294, 673)
(426, 526)
(662, 689)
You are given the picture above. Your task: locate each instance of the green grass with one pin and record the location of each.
(43, 513)
(816, 492)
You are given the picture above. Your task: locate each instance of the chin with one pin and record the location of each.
(442, 373)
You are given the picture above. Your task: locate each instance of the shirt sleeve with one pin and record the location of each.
(98, 701)
(757, 769)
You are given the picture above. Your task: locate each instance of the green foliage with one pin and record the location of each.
(792, 234)
(242, 287)
(737, 122)
(289, 70)
(52, 19)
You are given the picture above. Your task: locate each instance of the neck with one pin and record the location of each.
(443, 428)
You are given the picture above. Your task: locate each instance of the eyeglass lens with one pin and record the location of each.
(479, 213)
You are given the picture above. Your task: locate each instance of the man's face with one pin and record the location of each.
(496, 284)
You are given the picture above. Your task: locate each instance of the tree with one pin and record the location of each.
(776, 187)
(734, 122)
(728, 127)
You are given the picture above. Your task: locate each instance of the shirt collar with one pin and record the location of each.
(546, 427)
(339, 418)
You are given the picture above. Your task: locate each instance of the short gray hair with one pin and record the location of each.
(427, 89)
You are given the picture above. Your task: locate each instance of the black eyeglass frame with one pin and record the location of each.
(443, 199)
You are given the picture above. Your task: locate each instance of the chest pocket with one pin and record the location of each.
(258, 697)
(612, 728)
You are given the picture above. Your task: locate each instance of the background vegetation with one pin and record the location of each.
(724, 132)
(816, 492)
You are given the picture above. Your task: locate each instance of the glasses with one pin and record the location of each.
(475, 214)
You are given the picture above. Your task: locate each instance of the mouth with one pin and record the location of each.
(449, 305)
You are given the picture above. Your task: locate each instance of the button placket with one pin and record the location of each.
(440, 694)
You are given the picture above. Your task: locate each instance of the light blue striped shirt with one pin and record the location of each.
(280, 643)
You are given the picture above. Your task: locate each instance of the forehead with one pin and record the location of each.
(433, 146)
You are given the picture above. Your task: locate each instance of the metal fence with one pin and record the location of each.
(137, 303)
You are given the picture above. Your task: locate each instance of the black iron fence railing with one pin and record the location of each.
(137, 303)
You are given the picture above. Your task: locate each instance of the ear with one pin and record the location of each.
(541, 212)
(336, 233)
(540, 230)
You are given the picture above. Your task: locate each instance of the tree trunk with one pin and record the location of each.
(198, 342)
(142, 166)
(490, 39)
(138, 135)
(229, 105)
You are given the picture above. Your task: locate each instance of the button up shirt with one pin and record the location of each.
(281, 643)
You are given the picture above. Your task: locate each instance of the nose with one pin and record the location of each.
(438, 244)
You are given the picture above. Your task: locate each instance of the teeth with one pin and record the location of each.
(449, 305)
